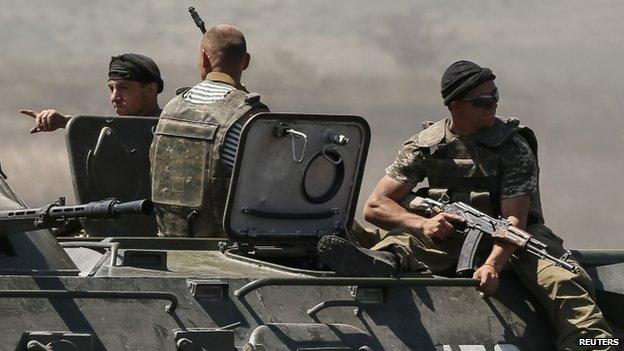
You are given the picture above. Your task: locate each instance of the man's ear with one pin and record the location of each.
(247, 60)
(152, 88)
(454, 107)
(205, 61)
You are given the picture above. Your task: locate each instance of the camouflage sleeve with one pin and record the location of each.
(519, 168)
(407, 166)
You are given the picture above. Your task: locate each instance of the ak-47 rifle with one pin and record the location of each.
(198, 21)
(479, 223)
(57, 214)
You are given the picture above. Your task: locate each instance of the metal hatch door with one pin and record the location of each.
(296, 178)
(109, 158)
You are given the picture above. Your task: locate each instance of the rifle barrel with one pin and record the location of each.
(548, 257)
(198, 21)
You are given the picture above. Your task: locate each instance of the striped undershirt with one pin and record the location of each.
(209, 92)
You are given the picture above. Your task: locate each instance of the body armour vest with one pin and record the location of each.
(469, 169)
(189, 180)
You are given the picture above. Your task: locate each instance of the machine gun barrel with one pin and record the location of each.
(55, 214)
(478, 223)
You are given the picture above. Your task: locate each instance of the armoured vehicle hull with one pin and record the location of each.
(261, 287)
(223, 301)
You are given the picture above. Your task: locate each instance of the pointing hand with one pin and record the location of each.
(46, 120)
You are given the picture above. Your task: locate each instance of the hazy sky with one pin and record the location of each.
(557, 63)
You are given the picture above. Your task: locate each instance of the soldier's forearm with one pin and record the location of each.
(387, 214)
(516, 210)
(500, 255)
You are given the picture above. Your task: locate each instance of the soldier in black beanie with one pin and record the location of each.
(490, 163)
(461, 77)
(135, 67)
(134, 82)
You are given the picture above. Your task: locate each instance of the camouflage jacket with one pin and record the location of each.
(498, 161)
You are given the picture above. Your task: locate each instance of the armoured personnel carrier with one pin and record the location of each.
(296, 178)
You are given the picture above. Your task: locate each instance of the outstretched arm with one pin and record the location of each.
(47, 120)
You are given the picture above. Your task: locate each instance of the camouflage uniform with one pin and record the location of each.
(498, 161)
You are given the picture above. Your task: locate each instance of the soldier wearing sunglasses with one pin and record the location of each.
(491, 163)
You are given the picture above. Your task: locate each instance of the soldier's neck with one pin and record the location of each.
(153, 110)
(235, 75)
(461, 128)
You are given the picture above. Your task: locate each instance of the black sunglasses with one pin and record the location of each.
(484, 101)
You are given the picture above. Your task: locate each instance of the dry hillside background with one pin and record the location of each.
(558, 65)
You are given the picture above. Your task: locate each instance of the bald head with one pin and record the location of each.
(225, 48)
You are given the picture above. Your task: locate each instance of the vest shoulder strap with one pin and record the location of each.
(182, 90)
(244, 102)
(528, 135)
(172, 106)
(502, 129)
(431, 136)
(253, 100)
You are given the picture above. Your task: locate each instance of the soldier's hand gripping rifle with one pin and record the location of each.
(479, 223)
(57, 214)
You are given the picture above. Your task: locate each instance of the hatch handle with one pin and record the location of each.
(291, 216)
(333, 303)
(293, 145)
(283, 130)
(113, 246)
(34, 345)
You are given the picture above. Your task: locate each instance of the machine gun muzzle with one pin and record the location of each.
(104, 209)
(140, 207)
